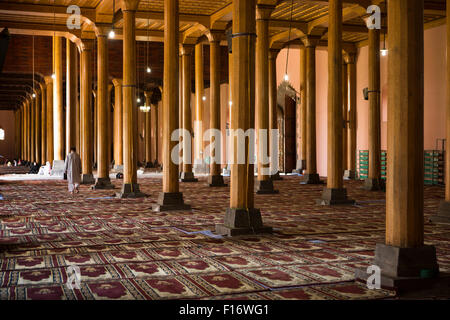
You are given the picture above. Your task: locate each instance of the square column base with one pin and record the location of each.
(374, 184)
(242, 222)
(276, 177)
(102, 183)
(404, 268)
(265, 187)
(334, 197)
(350, 175)
(311, 178)
(130, 191)
(87, 179)
(216, 181)
(170, 201)
(443, 215)
(187, 177)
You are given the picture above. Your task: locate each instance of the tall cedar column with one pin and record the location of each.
(118, 125)
(37, 127)
(374, 182)
(301, 114)
(186, 57)
(102, 181)
(130, 188)
(58, 117)
(344, 116)
(49, 83)
(71, 94)
(198, 120)
(26, 108)
(147, 130)
(273, 123)
(43, 123)
(170, 198)
(350, 59)
(311, 176)
(335, 193)
(242, 217)
(444, 208)
(404, 254)
(86, 112)
(155, 131)
(21, 131)
(264, 183)
(215, 178)
(32, 129)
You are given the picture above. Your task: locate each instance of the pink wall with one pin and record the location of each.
(435, 92)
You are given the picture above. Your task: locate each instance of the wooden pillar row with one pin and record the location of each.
(37, 128)
(43, 123)
(350, 59)
(58, 117)
(49, 123)
(118, 125)
(71, 94)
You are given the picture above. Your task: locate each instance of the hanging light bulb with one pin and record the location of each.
(53, 76)
(286, 77)
(204, 98)
(111, 34)
(138, 100)
(149, 70)
(384, 52)
(230, 103)
(33, 95)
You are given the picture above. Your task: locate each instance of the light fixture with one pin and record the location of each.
(230, 103)
(145, 108)
(112, 34)
(286, 76)
(149, 70)
(53, 76)
(138, 100)
(204, 98)
(33, 95)
(384, 51)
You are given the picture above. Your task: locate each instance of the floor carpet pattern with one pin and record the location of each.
(125, 251)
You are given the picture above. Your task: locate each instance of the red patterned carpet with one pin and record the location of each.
(125, 251)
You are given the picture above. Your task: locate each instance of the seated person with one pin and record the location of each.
(34, 168)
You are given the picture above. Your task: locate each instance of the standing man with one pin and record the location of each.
(72, 169)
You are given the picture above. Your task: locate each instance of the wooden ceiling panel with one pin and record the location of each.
(64, 3)
(202, 7)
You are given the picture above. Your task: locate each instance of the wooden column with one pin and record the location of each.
(49, 83)
(43, 123)
(78, 107)
(344, 116)
(32, 129)
(86, 112)
(37, 127)
(264, 184)
(109, 122)
(374, 182)
(242, 217)
(71, 94)
(198, 120)
(26, 109)
(404, 254)
(130, 188)
(102, 181)
(118, 125)
(335, 193)
(58, 116)
(311, 176)
(301, 114)
(350, 173)
(215, 178)
(273, 122)
(170, 198)
(155, 131)
(147, 131)
(186, 57)
(94, 127)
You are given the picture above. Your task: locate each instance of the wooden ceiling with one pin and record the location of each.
(309, 17)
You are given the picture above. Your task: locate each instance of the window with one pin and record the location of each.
(2, 134)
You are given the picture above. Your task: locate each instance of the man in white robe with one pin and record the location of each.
(72, 168)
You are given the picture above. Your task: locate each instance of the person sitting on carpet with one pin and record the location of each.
(72, 169)
(34, 168)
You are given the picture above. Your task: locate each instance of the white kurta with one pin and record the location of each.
(72, 168)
